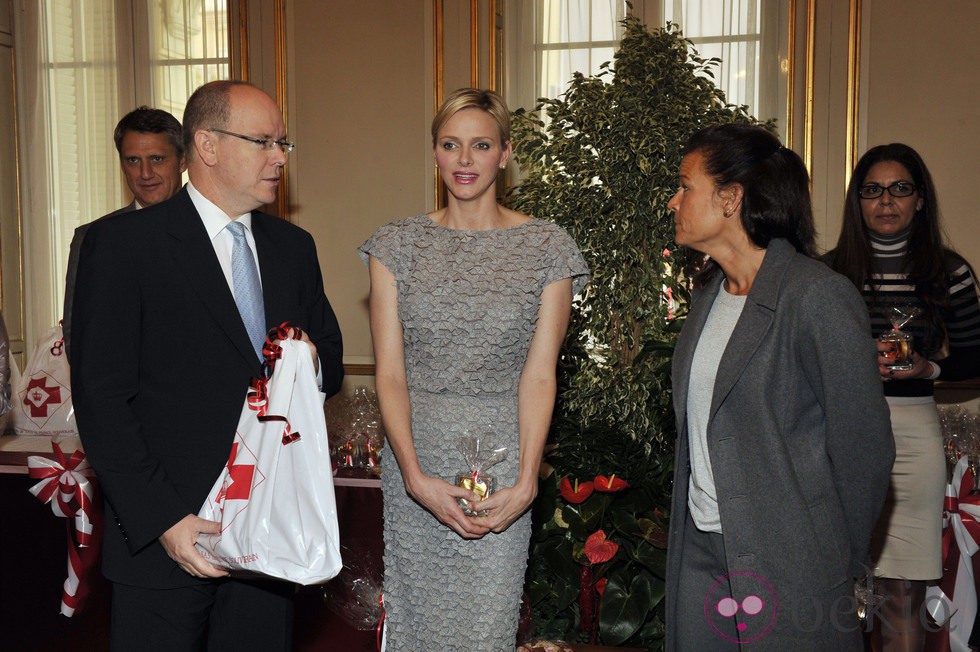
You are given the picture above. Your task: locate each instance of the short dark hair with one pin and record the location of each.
(149, 121)
(209, 107)
(774, 181)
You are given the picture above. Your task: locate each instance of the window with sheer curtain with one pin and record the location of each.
(82, 65)
(552, 39)
(751, 39)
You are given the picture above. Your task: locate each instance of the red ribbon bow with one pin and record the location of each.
(951, 506)
(258, 393)
(961, 538)
(69, 486)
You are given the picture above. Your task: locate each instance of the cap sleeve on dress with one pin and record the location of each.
(386, 246)
(567, 261)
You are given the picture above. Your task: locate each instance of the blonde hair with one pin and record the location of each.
(473, 98)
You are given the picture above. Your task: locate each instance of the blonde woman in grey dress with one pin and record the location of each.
(469, 306)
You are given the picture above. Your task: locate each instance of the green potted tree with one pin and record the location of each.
(602, 161)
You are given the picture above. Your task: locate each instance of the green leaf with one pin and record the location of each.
(624, 609)
(653, 559)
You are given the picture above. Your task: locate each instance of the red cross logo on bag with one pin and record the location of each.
(238, 482)
(39, 396)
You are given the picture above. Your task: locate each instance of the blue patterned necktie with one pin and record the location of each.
(248, 289)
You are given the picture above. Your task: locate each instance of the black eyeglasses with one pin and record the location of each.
(897, 189)
(265, 143)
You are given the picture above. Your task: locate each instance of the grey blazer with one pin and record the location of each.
(801, 449)
(76, 247)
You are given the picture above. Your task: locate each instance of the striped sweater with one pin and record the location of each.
(961, 319)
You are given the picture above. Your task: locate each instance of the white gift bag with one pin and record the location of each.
(42, 394)
(275, 496)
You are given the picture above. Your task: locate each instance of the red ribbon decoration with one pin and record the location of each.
(258, 393)
(938, 641)
(381, 622)
(69, 486)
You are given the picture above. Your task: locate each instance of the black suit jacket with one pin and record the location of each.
(161, 363)
(73, 253)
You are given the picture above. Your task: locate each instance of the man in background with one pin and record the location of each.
(151, 153)
(170, 315)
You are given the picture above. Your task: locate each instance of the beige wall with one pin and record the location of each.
(360, 104)
(923, 69)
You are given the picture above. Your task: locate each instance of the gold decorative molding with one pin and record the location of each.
(242, 66)
(492, 46)
(438, 73)
(359, 369)
(791, 75)
(853, 86)
(438, 79)
(279, 9)
(811, 19)
(475, 43)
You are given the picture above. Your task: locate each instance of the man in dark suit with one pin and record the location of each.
(163, 354)
(151, 153)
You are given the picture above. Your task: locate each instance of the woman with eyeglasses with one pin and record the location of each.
(891, 248)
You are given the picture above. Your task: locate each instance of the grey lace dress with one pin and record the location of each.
(467, 302)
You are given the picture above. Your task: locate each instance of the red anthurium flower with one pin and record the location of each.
(600, 549)
(577, 492)
(600, 586)
(611, 484)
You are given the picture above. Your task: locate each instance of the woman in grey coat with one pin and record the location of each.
(784, 447)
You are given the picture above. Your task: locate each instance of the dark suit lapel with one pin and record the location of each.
(194, 256)
(753, 324)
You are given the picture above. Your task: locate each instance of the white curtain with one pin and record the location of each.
(188, 47)
(575, 36)
(67, 92)
(81, 65)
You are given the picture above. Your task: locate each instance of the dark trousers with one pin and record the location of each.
(702, 584)
(229, 614)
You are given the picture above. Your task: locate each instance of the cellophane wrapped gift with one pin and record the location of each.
(961, 432)
(275, 496)
(479, 457)
(355, 594)
(357, 435)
